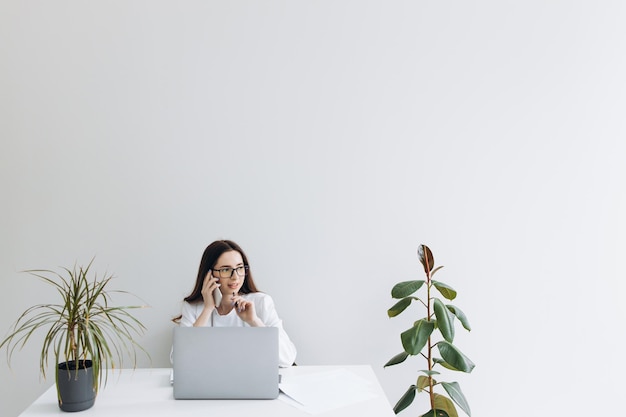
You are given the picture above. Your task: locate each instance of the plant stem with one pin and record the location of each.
(73, 346)
(430, 347)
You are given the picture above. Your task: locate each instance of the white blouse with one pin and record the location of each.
(265, 310)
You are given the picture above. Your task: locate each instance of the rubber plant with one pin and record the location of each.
(422, 339)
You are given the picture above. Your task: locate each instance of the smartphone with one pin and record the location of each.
(217, 296)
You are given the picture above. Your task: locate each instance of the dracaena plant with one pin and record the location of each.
(83, 325)
(434, 331)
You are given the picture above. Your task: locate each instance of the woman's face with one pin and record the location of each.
(227, 264)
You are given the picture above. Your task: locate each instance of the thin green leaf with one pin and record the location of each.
(460, 315)
(454, 391)
(435, 270)
(405, 400)
(454, 357)
(445, 290)
(445, 320)
(399, 358)
(415, 338)
(426, 258)
(406, 288)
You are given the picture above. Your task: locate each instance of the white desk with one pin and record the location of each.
(147, 392)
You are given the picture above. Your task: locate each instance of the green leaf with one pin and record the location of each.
(426, 258)
(399, 307)
(399, 358)
(443, 403)
(423, 382)
(445, 290)
(460, 315)
(453, 356)
(445, 320)
(435, 270)
(454, 391)
(427, 372)
(432, 413)
(415, 338)
(406, 288)
(444, 364)
(406, 400)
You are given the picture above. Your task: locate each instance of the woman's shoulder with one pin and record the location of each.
(259, 298)
(193, 305)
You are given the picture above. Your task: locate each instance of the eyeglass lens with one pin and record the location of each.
(228, 272)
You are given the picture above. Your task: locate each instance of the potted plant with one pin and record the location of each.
(420, 340)
(85, 333)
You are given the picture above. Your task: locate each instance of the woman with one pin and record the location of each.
(225, 295)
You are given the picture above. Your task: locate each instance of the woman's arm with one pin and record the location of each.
(192, 315)
(266, 311)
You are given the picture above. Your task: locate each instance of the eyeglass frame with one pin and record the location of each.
(232, 271)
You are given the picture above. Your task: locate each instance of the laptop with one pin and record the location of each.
(225, 363)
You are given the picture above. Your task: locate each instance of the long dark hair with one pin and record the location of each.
(209, 259)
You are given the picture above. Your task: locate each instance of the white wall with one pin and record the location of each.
(329, 139)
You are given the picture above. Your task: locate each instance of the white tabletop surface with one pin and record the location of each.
(148, 392)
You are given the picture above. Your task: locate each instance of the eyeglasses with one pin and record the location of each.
(228, 272)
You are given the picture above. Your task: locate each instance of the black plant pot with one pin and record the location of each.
(75, 386)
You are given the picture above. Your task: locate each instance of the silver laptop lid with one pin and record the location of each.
(225, 362)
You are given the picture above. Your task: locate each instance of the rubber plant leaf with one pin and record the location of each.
(435, 270)
(433, 413)
(445, 320)
(444, 403)
(454, 357)
(460, 315)
(454, 391)
(422, 382)
(426, 258)
(406, 400)
(430, 373)
(415, 338)
(399, 307)
(406, 288)
(444, 364)
(445, 290)
(399, 358)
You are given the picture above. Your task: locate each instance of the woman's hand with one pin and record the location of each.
(209, 285)
(246, 311)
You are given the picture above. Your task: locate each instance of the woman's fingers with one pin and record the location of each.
(208, 286)
(237, 301)
(241, 304)
(207, 280)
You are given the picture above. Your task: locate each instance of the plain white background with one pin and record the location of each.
(330, 139)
